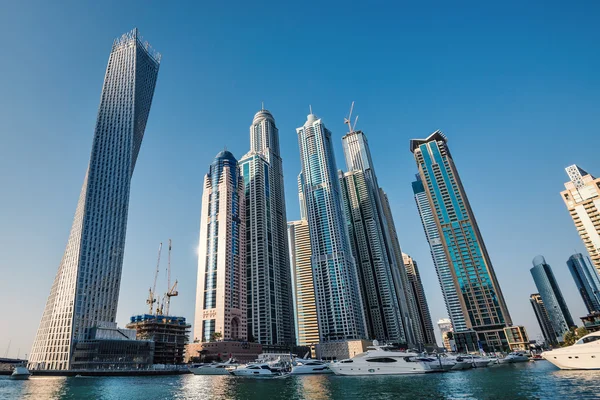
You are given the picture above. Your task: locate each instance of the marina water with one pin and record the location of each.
(533, 380)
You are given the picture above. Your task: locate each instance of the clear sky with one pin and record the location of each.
(514, 86)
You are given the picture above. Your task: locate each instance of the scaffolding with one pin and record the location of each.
(169, 334)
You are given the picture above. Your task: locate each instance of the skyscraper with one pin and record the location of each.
(582, 198)
(541, 314)
(482, 303)
(221, 289)
(382, 289)
(587, 280)
(337, 294)
(85, 291)
(555, 304)
(270, 312)
(438, 253)
(412, 270)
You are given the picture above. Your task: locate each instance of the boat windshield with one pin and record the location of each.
(588, 339)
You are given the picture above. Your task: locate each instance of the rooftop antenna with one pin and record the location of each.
(349, 120)
(310, 108)
(262, 105)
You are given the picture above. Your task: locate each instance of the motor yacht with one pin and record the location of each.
(437, 364)
(214, 368)
(461, 362)
(514, 357)
(259, 370)
(20, 373)
(481, 361)
(305, 367)
(584, 354)
(379, 361)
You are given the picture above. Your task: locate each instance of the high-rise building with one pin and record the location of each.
(85, 291)
(555, 304)
(587, 280)
(541, 314)
(482, 303)
(438, 253)
(383, 294)
(221, 290)
(412, 270)
(445, 327)
(582, 198)
(337, 294)
(269, 286)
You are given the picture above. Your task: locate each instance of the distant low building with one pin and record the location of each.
(169, 334)
(591, 322)
(243, 351)
(342, 349)
(445, 327)
(517, 337)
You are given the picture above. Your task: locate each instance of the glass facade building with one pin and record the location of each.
(586, 279)
(269, 286)
(541, 314)
(555, 304)
(339, 305)
(221, 288)
(426, 325)
(85, 291)
(482, 303)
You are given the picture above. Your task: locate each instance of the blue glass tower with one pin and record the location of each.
(587, 280)
(337, 294)
(555, 304)
(483, 307)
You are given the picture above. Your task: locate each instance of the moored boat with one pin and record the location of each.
(214, 368)
(515, 357)
(309, 367)
(259, 370)
(584, 354)
(20, 373)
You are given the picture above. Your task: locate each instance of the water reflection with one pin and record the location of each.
(313, 387)
(42, 388)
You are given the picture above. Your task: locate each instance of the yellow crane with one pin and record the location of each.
(171, 290)
(152, 298)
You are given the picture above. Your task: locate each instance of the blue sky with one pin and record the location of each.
(514, 86)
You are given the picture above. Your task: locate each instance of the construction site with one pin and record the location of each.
(169, 333)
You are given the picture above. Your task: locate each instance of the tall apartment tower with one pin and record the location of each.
(85, 291)
(582, 198)
(483, 306)
(541, 314)
(438, 253)
(337, 293)
(382, 289)
(555, 304)
(270, 304)
(221, 290)
(587, 280)
(412, 270)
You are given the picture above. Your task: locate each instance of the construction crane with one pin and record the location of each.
(348, 120)
(171, 291)
(152, 298)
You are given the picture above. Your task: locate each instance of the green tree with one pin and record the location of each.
(574, 335)
(215, 336)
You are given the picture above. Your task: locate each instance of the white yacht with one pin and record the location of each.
(461, 362)
(214, 368)
(437, 364)
(584, 354)
(20, 373)
(514, 357)
(259, 370)
(378, 361)
(481, 361)
(305, 367)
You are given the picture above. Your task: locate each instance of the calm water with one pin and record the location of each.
(539, 380)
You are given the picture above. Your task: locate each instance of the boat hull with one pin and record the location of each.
(572, 360)
(209, 371)
(311, 371)
(23, 377)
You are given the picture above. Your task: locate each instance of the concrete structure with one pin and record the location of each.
(337, 294)
(445, 327)
(591, 322)
(169, 334)
(243, 352)
(517, 338)
(384, 293)
(412, 271)
(546, 283)
(85, 291)
(582, 198)
(587, 281)
(270, 313)
(482, 302)
(221, 289)
(438, 253)
(541, 314)
(342, 349)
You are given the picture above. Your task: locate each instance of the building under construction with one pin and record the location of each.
(169, 334)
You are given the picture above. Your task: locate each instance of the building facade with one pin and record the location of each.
(587, 280)
(221, 290)
(438, 253)
(385, 295)
(555, 304)
(482, 302)
(168, 334)
(85, 291)
(412, 270)
(517, 338)
(582, 198)
(339, 305)
(541, 314)
(445, 327)
(269, 286)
